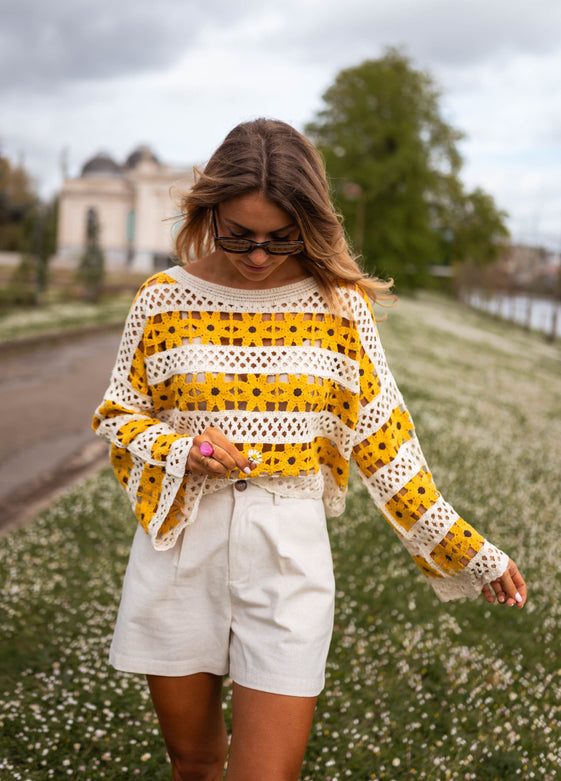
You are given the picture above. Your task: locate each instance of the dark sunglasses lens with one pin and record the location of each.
(284, 247)
(272, 247)
(234, 245)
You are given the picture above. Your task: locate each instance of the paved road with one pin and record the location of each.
(47, 398)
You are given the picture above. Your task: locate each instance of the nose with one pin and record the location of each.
(258, 256)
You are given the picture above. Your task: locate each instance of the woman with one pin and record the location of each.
(246, 380)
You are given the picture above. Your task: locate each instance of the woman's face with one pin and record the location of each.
(253, 216)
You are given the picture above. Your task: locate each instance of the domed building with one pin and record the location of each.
(131, 203)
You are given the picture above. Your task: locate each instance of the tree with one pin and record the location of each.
(91, 269)
(394, 166)
(17, 199)
(28, 227)
(477, 230)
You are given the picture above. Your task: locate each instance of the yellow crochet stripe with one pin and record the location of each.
(425, 568)
(382, 447)
(369, 381)
(175, 514)
(122, 463)
(148, 493)
(299, 459)
(174, 329)
(218, 392)
(414, 499)
(128, 432)
(454, 552)
(137, 373)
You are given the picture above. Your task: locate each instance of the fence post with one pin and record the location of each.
(554, 318)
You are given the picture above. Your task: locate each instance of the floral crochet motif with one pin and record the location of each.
(301, 390)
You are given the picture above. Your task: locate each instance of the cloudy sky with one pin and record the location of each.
(91, 75)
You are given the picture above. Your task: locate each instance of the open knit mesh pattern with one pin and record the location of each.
(304, 389)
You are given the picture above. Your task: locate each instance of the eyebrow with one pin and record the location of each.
(247, 230)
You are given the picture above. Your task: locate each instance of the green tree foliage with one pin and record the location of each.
(394, 166)
(28, 227)
(91, 271)
(17, 200)
(476, 229)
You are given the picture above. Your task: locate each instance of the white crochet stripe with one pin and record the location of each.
(198, 294)
(192, 294)
(109, 427)
(370, 339)
(307, 487)
(302, 487)
(134, 480)
(141, 446)
(216, 359)
(132, 336)
(436, 523)
(487, 565)
(334, 495)
(122, 393)
(376, 414)
(391, 478)
(269, 427)
(176, 461)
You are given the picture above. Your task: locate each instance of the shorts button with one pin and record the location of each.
(240, 485)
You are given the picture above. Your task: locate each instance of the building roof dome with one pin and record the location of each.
(141, 154)
(102, 164)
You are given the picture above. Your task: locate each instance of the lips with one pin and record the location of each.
(255, 268)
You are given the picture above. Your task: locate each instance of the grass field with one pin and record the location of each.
(62, 309)
(62, 316)
(415, 689)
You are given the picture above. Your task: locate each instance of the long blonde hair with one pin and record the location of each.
(274, 159)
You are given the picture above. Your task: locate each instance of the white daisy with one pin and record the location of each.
(255, 456)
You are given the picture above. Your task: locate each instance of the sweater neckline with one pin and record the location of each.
(180, 274)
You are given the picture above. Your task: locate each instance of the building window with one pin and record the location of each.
(92, 226)
(131, 219)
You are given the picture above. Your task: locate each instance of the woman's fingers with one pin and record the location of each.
(212, 453)
(509, 589)
(519, 584)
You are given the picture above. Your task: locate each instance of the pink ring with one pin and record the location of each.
(206, 449)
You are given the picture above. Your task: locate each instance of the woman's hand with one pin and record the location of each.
(222, 456)
(509, 589)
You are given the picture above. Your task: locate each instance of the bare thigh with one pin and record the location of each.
(189, 710)
(269, 735)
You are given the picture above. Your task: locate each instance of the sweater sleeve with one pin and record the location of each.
(454, 557)
(148, 456)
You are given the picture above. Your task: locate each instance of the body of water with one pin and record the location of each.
(538, 314)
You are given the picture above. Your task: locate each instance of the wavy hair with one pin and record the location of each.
(272, 158)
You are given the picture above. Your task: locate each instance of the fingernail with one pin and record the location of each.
(247, 470)
(501, 598)
(517, 597)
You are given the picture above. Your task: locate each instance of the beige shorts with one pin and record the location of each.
(247, 590)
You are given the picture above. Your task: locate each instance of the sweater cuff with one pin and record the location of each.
(176, 461)
(488, 565)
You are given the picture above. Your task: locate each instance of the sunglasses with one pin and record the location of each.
(246, 246)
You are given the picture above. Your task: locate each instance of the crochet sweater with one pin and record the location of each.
(299, 389)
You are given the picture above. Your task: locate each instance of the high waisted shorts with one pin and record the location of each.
(247, 590)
